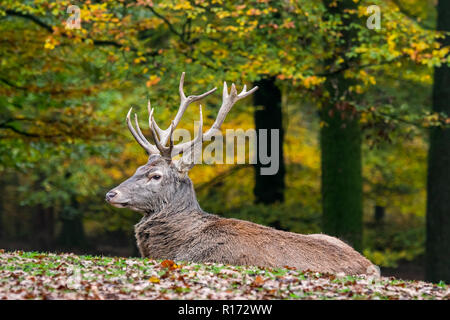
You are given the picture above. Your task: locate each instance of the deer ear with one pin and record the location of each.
(189, 159)
(182, 169)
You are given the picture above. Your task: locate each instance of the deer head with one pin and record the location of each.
(163, 182)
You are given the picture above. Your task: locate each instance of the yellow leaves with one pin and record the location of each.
(360, 50)
(357, 88)
(366, 78)
(50, 43)
(56, 11)
(365, 116)
(139, 60)
(333, 4)
(312, 81)
(231, 28)
(183, 5)
(154, 279)
(391, 42)
(223, 14)
(442, 53)
(152, 80)
(220, 53)
(420, 46)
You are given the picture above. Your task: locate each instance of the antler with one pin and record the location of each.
(228, 100)
(162, 136)
(148, 147)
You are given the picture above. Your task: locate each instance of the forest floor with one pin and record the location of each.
(36, 275)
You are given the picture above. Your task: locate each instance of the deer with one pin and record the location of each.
(175, 227)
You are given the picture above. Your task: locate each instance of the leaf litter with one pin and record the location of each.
(37, 275)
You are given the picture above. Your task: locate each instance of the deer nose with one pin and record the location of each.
(110, 195)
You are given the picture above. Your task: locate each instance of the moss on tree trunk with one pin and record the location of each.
(340, 143)
(438, 184)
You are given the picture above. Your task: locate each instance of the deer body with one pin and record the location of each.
(175, 227)
(201, 237)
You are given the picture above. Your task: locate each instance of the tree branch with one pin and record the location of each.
(167, 22)
(49, 28)
(26, 133)
(30, 17)
(9, 83)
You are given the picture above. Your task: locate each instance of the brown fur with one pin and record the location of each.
(202, 237)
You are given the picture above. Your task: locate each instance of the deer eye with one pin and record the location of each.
(154, 176)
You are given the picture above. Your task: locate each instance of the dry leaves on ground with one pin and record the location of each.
(34, 275)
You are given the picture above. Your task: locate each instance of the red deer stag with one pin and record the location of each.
(175, 227)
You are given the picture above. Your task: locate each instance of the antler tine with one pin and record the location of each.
(172, 126)
(138, 129)
(229, 99)
(164, 151)
(180, 87)
(184, 103)
(151, 121)
(183, 147)
(244, 93)
(138, 136)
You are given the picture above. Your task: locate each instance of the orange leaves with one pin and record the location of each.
(253, 12)
(171, 265)
(144, 3)
(312, 81)
(152, 80)
(258, 282)
(288, 24)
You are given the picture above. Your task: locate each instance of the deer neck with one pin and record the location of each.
(166, 233)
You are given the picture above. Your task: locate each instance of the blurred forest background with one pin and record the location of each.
(363, 114)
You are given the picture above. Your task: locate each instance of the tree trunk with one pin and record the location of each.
(438, 180)
(43, 227)
(72, 232)
(378, 215)
(269, 188)
(340, 143)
